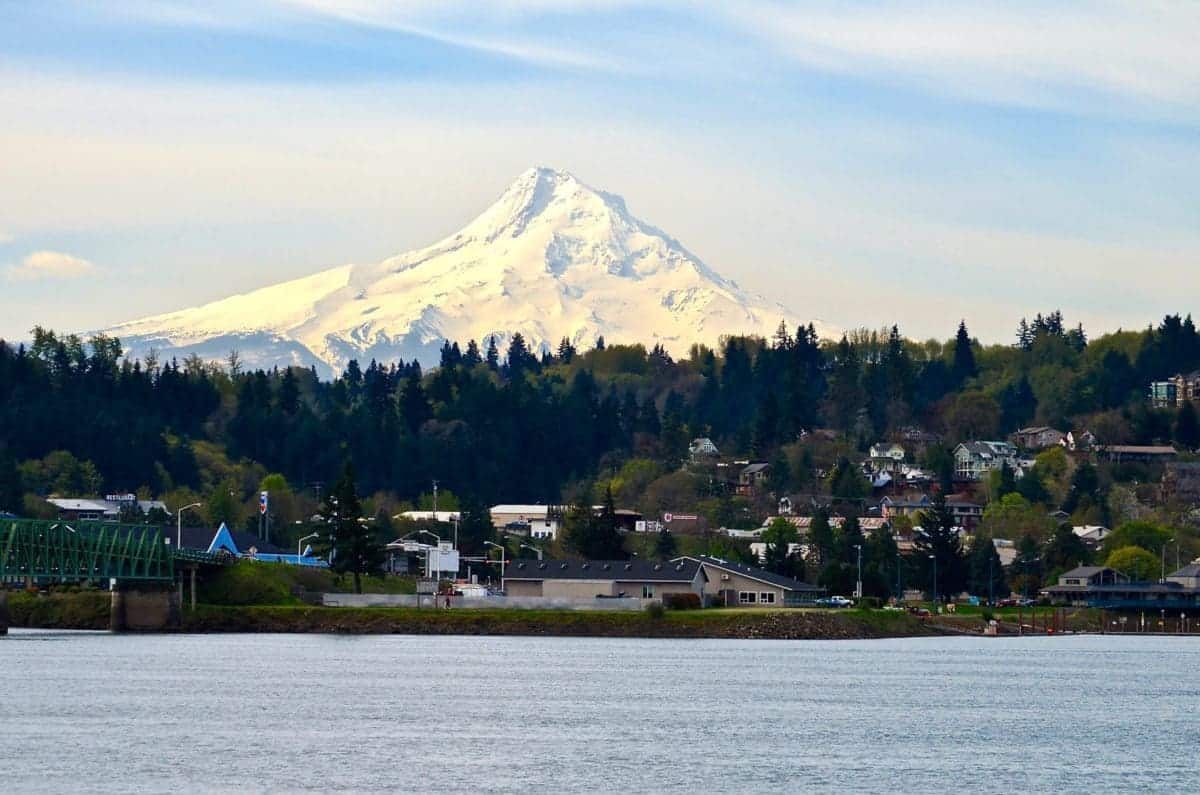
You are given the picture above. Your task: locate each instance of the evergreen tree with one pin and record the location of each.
(493, 354)
(1027, 568)
(595, 537)
(985, 572)
(474, 525)
(354, 547)
(939, 538)
(665, 546)
(566, 351)
(1187, 427)
(1065, 550)
(779, 476)
(820, 538)
(472, 357)
(778, 536)
(964, 357)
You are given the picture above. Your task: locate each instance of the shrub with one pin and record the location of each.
(986, 615)
(681, 601)
(655, 610)
(870, 602)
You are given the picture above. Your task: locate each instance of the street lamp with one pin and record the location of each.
(299, 548)
(935, 593)
(858, 584)
(502, 553)
(538, 550)
(179, 523)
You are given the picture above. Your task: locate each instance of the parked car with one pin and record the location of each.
(1009, 602)
(835, 601)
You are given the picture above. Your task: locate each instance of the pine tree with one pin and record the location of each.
(939, 538)
(472, 357)
(566, 351)
(353, 545)
(985, 572)
(964, 357)
(493, 354)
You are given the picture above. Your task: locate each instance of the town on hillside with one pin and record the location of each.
(782, 472)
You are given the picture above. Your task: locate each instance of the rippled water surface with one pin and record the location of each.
(98, 712)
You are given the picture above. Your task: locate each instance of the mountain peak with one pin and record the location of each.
(551, 258)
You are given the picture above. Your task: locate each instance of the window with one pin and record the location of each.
(767, 597)
(747, 597)
(647, 591)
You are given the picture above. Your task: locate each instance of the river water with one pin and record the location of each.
(246, 713)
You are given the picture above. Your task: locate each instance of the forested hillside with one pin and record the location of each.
(76, 418)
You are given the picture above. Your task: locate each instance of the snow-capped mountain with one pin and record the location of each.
(551, 258)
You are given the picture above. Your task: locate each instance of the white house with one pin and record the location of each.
(892, 451)
(703, 447)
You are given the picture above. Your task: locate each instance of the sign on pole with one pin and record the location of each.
(263, 498)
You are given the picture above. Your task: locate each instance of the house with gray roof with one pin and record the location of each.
(973, 460)
(734, 584)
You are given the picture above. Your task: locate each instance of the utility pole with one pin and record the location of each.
(435, 500)
(991, 586)
(858, 585)
(899, 589)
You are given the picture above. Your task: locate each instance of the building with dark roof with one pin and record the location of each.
(590, 579)
(735, 584)
(1100, 586)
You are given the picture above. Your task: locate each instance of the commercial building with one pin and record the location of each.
(590, 579)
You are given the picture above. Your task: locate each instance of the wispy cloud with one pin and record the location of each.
(49, 266)
(1010, 52)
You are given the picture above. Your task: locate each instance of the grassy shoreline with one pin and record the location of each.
(90, 610)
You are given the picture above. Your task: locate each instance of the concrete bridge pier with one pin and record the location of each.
(137, 610)
(3, 612)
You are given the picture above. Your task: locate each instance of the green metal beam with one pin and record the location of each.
(59, 551)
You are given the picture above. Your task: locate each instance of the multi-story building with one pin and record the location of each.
(973, 460)
(1175, 391)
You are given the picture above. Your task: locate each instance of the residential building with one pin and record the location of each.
(1138, 453)
(573, 579)
(1091, 534)
(973, 460)
(751, 477)
(1079, 441)
(967, 512)
(1038, 437)
(1175, 391)
(702, 447)
(905, 505)
(883, 450)
(738, 585)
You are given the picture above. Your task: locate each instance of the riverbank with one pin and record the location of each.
(90, 610)
(780, 624)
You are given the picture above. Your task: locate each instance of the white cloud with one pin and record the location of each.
(49, 266)
(1010, 52)
(5, 237)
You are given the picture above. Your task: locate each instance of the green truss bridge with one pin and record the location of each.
(135, 557)
(48, 552)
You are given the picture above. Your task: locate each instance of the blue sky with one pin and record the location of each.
(866, 163)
